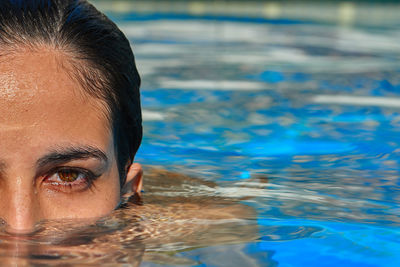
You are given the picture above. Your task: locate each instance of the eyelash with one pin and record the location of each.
(83, 180)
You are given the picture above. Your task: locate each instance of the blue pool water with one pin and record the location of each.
(297, 119)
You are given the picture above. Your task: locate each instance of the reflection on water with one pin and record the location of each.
(298, 120)
(186, 221)
(292, 131)
(176, 213)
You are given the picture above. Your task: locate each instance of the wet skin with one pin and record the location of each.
(57, 157)
(176, 212)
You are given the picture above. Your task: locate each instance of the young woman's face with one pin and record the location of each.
(57, 155)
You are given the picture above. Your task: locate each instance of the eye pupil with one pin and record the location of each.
(68, 176)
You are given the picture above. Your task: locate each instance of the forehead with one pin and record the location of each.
(39, 75)
(39, 97)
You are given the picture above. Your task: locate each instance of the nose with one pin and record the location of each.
(19, 207)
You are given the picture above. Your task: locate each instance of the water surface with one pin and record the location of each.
(285, 140)
(298, 120)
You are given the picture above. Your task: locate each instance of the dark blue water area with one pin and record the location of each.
(334, 244)
(273, 76)
(285, 243)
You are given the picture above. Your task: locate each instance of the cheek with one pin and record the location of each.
(101, 199)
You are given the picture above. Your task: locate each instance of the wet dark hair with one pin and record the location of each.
(100, 55)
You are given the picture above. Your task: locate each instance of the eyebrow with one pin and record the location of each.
(67, 154)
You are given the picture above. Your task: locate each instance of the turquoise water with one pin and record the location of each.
(296, 119)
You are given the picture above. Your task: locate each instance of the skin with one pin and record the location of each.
(48, 125)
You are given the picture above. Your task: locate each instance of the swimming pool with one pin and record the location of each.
(291, 130)
(301, 119)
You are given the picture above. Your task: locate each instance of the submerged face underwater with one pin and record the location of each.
(269, 139)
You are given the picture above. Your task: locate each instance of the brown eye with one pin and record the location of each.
(68, 175)
(70, 179)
